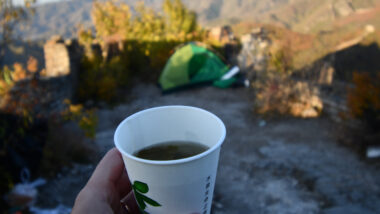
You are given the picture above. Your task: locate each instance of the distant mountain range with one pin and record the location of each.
(305, 16)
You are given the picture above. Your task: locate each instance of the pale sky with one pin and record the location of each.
(18, 2)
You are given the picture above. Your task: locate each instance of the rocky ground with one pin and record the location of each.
(280, 165)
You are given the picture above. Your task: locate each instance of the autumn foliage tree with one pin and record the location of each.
(176, 21)
(179, 19)
(146, 38)
(10, 16)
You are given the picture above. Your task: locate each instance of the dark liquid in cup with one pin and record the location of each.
(172, 150)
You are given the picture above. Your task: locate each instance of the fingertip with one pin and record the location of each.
(110, 168)
(114, 150)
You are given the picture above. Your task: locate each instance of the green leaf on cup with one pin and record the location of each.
(141, 187)
(150, 201)
(140, 200)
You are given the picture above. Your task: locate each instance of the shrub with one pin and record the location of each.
(44, 146)
(99, 79)
(85, 118)
(42, 143)
(114, 18)
(278, 94)
(21, 143)
(6, 81)
(26, 140)
(16, 101)
(9, 76)
(69, 138)
(145, 41)
(364, 99)
(66, 144)
(281, 57)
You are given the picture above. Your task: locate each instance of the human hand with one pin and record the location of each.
(107, 186)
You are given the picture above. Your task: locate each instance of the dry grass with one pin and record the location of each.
(363, 16)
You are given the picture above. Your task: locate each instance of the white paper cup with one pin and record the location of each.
(183, 186)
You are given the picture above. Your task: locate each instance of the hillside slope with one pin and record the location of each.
(306, 16)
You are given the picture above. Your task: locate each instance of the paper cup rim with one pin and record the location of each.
(177, 161)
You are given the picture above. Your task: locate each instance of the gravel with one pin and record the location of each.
(267, 165)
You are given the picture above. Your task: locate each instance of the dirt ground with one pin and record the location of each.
(281, 165)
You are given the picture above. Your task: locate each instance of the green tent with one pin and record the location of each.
(193, 64)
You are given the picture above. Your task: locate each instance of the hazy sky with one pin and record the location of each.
(17, 2)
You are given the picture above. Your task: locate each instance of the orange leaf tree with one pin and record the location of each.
(10, 16)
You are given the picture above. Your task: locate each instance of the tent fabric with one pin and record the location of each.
(192, 64)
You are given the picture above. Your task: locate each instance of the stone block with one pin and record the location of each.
(57, 58)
